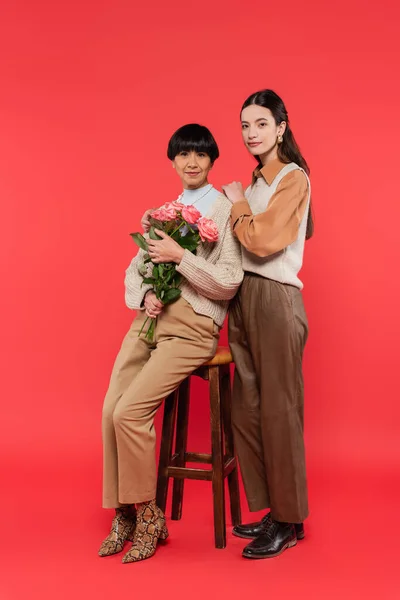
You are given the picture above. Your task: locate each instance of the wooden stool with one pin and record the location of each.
(223, 464)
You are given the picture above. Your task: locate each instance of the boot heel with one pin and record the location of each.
(163, 534)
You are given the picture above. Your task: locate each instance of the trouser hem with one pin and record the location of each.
(138, 498)
(257, 505)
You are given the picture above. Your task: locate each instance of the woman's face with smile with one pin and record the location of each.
(192, 168)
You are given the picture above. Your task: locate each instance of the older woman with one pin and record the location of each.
(187, 333)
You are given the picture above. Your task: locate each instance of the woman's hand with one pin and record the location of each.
(152, 305)
(165, 250)
(234, 191)
(145, 221)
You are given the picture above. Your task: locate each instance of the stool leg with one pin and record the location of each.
(166, 449)
(217, 453)
(233, 477)
(182, 428)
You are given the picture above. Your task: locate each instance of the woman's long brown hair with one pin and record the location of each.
(288, 150)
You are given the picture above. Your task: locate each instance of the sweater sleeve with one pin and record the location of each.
(219, 281)
(277, 227)
(134, 290)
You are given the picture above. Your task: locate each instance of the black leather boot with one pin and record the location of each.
(253, 530)
(275, 539)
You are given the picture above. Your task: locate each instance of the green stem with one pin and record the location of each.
(141, 329)
(151, 330)
(188, 226)
(178, 228)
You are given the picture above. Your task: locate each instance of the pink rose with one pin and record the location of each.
(191, 214)
(170, 211)
(159, 214)
(167, 212)
(208, 230)
(177, 205)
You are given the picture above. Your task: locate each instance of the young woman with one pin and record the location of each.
(268, 327)
(186, 336)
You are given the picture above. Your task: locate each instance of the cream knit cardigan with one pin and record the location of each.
(211, 277)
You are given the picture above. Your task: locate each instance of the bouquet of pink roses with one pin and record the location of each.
(187, 227)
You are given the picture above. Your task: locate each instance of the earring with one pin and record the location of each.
(280, 139)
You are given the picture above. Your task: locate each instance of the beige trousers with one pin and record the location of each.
(143, 375)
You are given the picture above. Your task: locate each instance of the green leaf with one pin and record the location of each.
(171, 295)
(148, 280)
(189, 241)
(176, 235)
(177, 280)
(169, 276)
(146, 258)
(156, 223)
(191, 237)
(155, 272)
(153, 235)
(139, 240)
(189, 246)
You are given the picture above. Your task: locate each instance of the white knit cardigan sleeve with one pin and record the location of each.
(135, 290)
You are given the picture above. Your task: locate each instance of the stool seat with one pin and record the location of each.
(222, 356)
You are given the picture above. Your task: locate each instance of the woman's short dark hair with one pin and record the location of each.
(193, 138)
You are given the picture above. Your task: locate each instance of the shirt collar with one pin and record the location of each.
(269, 171)
(191, 196)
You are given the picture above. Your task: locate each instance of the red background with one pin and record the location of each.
(90, 93)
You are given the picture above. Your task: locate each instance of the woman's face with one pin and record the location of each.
(259, 130)
(192, 168)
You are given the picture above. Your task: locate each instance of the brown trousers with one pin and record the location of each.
(143, 375)
(267, 334)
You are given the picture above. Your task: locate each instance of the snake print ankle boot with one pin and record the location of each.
(122, 528)
(150, 527)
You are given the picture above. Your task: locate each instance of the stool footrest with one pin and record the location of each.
(191, 457)
(206, 459)
(188, 473)
(203, 474)
(198, 457)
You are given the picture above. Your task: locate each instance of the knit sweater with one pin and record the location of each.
(271, 223)
(211, 276)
